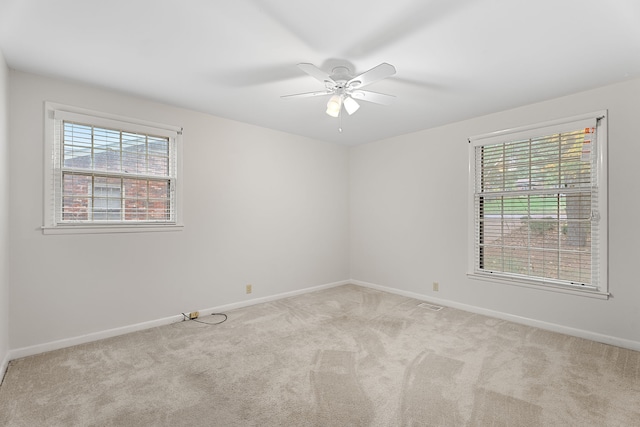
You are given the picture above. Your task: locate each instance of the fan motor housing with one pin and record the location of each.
(341, 75)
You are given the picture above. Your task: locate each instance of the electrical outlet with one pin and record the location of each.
(248, 289)
(436, 286)
(194, 315)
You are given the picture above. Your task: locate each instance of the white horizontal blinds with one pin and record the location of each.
(534, 199)
(112, 175)
(102, 120)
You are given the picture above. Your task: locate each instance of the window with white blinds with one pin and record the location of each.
(538, 205)
(109, 172)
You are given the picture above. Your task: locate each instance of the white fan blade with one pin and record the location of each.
(315, 72)
(375, 74)
(307, 94)
(375, 97)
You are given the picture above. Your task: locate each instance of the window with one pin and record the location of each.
(538, 205)
(108, 173)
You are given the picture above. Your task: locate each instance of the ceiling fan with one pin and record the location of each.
(345, 88)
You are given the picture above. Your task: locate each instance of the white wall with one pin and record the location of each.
(261, 207)
(4, 216)
(285, 213)
(409, 218)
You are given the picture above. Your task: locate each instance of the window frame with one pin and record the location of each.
(54, 113)
(601, 291)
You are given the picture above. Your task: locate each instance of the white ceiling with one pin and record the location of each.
(455, 59)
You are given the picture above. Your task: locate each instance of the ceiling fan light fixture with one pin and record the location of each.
(350, 105)
(345, 88)
(334, 105)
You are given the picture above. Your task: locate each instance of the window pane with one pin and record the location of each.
(107, 199)
(531, 225)
(75, 197)
(135, 202)
(158, 146)
(159, 200)
(106, 175)
(133, 153)
(576, 171)
(111, 150)
(106, 149)
(158, 166)
(135, 209)
(77, 146)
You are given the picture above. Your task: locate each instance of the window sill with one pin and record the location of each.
(105, 229)
(532, 284)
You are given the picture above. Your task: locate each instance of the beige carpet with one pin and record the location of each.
(346, 356)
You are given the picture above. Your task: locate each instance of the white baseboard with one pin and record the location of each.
(275, 297)
(95, 336)
(554, 327)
